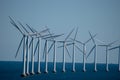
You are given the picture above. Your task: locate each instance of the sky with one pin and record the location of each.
(61, 16)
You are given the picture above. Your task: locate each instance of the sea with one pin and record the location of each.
(12, 71)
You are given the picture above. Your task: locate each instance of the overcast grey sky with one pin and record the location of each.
(97, 16)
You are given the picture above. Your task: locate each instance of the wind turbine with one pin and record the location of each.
(107, 54)
(84, 52)
(73, 54)
(23, 40)
(65, 48)
(46, 50)
(117, 47)
(54, 53)
(95, 51)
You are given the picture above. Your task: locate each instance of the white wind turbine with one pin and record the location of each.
(65, 48)
(107, 54)
(23, 40)
(45, 53)
(117, 47)
(95, 51)
(54, 53)
(73, 54)
(84, 52)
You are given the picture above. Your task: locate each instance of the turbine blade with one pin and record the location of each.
(30, 42)
(114, 47)
(27, 41)
(77, 41)
(66, 45)
(11, 19)
(90, 51)
(34, 30)
(78, 48)
(67, 51)
(53, 36)
(102, 45)
(36, 47)
(69, 34)
(76, 33)
(23, 26)
(30, 28)
(19, 47)
(69, 44)
(15, 25)
(43, 36)
(90, 38)
(60, 46)
(51, 47)
(49, 33)
(100, 41)
(44, 30)
(44, 49)
(112, 43)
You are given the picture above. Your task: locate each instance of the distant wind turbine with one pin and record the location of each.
(45, 53)
(23, 40)
(117, 47)
(84, 52)
(107, 54)
(54, 53)
(95, 51)
(65, 48)
(73, 50)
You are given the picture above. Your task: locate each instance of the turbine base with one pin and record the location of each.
(38, 72)
(23, 75)
(46, 72)
(63, 71)
(95, 70)
(107, 70)
(84, 70)
(73, 70)
(54, 71)
(32, 73)
(27, 74)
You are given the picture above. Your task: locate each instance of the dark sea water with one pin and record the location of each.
(13, 70)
